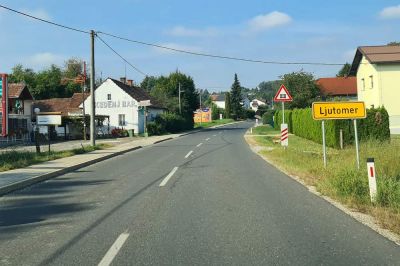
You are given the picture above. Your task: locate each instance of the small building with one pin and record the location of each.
(71, 112)
(120, 102)
(19, 113)
(256, 103)
(218, 100)
(377, 69)
(338, 87)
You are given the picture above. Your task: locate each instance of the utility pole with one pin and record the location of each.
(180, 108)
(201, 111)
(92, 87)
(83, 100)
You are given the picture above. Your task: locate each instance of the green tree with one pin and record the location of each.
(21, 74)
(236, 98)
(72, 68)
(148, 83)
(228, 105)
(48, 84)
(344, 71)
(394, 44)
(302, 87)
(166, 91)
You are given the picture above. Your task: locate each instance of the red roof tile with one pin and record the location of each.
(19, 90)
(338, 86)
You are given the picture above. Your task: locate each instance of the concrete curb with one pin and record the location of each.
(159, 141)
(40, 178)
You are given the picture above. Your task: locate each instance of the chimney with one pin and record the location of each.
(129, 82)
(123, 80)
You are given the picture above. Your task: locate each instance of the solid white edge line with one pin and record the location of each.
(187, 155)
(114, 249)
(164, 182)
(198, 145)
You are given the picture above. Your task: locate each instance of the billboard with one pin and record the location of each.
(4, 104)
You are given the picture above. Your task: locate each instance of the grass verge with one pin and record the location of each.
(19, 159)
(213, 123)
(341, 180)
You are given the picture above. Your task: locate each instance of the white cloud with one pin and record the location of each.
(269, 21)
(177, 46)
(181, 31)
(391, 12)
(40, 13)
(43, 60)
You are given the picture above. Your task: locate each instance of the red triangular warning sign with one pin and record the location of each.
(283, 95)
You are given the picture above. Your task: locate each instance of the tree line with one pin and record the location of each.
(54, 82)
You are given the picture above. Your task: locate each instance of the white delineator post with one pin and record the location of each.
(372, 179)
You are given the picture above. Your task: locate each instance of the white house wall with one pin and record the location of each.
(120, 103)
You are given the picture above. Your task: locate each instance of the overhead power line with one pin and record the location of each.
(126, 61)
(171, 48)
(44, 20)
(218, 56)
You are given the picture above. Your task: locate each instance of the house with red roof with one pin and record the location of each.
(338, 87)
(19, 113)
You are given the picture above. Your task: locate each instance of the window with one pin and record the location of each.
(363, 84)
(121, 120)
(372, 81)
(108, 97)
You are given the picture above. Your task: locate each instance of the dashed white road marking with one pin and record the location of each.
(198, 145)
(168, 177)
(214, 135)
(187, 155)
(114, 249)
(207, 139)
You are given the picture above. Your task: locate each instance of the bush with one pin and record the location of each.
(248, 114)
(119, 132)
(375, 126)
(169, 122)
(155, 129)
(268, 118)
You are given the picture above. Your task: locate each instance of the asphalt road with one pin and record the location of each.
(183, 203)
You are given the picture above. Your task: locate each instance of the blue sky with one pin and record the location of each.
(278, 30)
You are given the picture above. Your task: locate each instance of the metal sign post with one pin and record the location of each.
(339, 110)
(283, 96)
(324, 142)
(356, 139)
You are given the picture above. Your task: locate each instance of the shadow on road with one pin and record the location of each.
(40, 202)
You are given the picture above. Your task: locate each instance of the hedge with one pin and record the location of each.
(301, 123)
(268, 117)
(169, 122)
(278, 120)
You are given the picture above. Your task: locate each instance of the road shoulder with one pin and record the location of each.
(363, 218)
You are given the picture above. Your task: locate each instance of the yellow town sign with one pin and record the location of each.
(338, 110)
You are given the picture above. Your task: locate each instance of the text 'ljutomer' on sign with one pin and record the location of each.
(338, 110)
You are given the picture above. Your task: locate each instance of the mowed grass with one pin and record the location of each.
(18, 159)
(264, 130)
(213, 123)
(341, 179)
